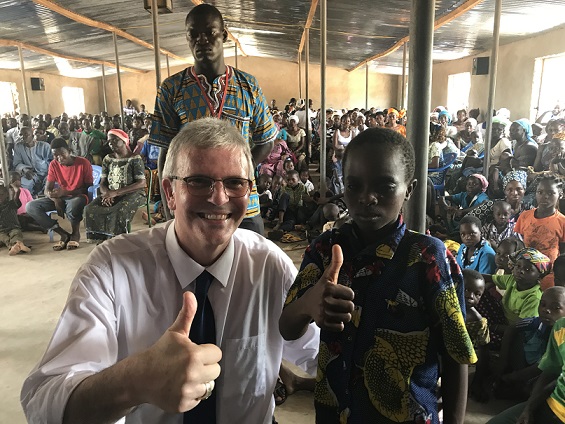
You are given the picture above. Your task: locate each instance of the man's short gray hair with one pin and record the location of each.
(206, 133)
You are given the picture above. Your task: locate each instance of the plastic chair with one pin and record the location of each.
(437, 175)
(149, 190)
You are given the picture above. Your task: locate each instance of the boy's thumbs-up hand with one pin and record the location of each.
(331, 303)
(173, 371)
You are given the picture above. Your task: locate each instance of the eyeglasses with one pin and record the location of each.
(204, 186)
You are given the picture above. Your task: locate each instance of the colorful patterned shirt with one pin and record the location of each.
(383, 367)
(180, 100)
(554, 361)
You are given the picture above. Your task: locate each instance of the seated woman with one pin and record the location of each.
(463, 202)
(465, 136)
(343, 134)
(274, 163)
(296, 142)
(525, 147)
(122, 187)
(444, 120)
(544, 156)
(498, 141)
(435, 152)
(392, 122)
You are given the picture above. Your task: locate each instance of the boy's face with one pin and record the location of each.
(551, 306)
(292, 181)
(547, 195)
(470, 234)
(525, 273)
(264, 183)
(304, 177)
(376, 187)
(474, 289)
(288, 165)
(276, 183)
(501, 214)
(502, 255)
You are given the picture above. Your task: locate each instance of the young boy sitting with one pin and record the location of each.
(291, 204)
(264, 182)
(305, 178)
(502, 226)
(277, 189)
(10, 231)
(388, 301)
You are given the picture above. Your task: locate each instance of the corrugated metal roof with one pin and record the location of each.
(357, 31)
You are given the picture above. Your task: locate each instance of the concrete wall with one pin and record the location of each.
(51, 100)
(514, 77)
(278, 80)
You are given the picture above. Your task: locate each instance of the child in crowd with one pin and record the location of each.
(502, 225)
(475, 252)
(290, 209)
(522, 287)
(477, 326)
(331, 215)
(388, 300)
(288, 165)
(305, 178)
(137, 135)
(277, 189)
(26, 222)
(264, 182)
(524, 345)
(463, 202)
(543, 228)
(10, 231)
(336, 179)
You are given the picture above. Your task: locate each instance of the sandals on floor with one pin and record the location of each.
(60, 245)
(280, 392)
(72, 245)
(291, 238)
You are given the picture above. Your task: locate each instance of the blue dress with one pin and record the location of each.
(482, 259)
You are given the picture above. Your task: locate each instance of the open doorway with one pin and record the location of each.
(73, 99)
(9, 103)
(458, 89)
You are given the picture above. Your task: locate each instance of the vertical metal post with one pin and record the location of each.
(236, 67)
(4, 160)
(403, 90)
(419, 99)
(492, 84)
(323, 47)
(307, 91)
(119, 80)
(300, 75)
(156, 49)
(104, 88)
(24, 85)
(366, 86)
(168, 66)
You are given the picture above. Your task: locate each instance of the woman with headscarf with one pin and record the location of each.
(514, 184)
(122, 189)
(445, 120)
(498, 141)
(525, 147)
(392, 123)
(462, 203)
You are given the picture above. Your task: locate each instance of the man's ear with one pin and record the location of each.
(167, 187)
(410, 189)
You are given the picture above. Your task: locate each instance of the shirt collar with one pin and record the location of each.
(187, 269)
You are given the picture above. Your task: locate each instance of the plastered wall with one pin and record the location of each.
(51, 100)
(514, 77)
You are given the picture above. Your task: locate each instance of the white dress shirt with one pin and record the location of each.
(129, 292)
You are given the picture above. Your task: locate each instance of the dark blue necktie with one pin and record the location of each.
(202, 331)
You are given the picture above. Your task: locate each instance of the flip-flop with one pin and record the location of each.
(291, 238)
(72, 245)
(280, 392)
(60, 245)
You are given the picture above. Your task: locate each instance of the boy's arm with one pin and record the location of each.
(542, 389)
(454, 390)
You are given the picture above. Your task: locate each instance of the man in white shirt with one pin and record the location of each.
(122, 352)
(301, 115)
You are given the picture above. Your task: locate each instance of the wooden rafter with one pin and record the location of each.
(230, 35)
(12, 43)
(465, 7)
(49, 4)
(309, 19)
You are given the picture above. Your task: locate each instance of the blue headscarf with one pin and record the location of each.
(445, 113)
(524, 123)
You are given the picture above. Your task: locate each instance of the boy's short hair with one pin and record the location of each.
(263, 177)
(292, 173)
(471, 219)
(59, 143)
(500, 204)
(384, 137)
(469, 273)
(515, 241)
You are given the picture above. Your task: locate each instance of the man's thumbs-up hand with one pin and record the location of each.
(331, 303)
(174, 370)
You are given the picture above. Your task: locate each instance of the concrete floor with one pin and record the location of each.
(34, 291)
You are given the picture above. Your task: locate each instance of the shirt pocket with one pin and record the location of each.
(239, 119)
(245, 366)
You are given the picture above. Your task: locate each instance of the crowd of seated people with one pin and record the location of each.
(51, 161)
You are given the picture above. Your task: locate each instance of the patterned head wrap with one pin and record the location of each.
(402, 113)
(482, 180)
(393, 110)
(452, 245)
(500, 120)
(446, 113)
(122, 135)
(535, 257)
(524, 123)
(559, 136)
(515, 175)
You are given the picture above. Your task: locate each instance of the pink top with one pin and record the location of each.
(25, 198)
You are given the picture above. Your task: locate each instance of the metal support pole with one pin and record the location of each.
(300, 75)
(156, 49)
(104, 88)
(236, 67)
(419, 99)
(119, 80)
(492, 84)
(323, 48)
(367, 86)
(168, 66)
(403, 90)
(24, 85)
(307, 92)
(4, 160)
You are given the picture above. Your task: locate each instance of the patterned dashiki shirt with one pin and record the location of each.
(180, 100)
(409, 308)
